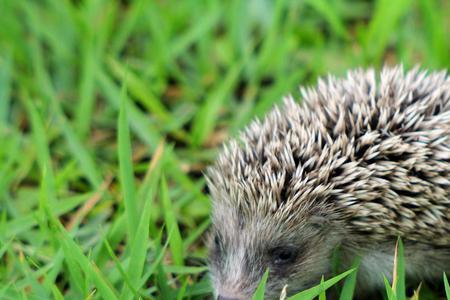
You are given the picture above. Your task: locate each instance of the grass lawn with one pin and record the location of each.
(111, 110)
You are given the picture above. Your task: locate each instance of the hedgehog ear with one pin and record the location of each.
(319, 221)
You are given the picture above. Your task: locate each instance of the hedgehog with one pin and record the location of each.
(359, 162)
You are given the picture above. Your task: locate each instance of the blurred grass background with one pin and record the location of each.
(110, 110)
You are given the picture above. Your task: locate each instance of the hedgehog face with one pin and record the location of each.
(241, 251)
(370, 157)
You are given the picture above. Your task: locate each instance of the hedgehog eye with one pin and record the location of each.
(218, 244)
(217, 241)
(281, 256)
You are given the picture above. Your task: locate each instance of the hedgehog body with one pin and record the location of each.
(361, 161)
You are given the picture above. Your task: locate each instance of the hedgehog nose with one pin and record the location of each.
(225, 298)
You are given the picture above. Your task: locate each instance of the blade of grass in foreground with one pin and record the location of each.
(416, 293)
(72, 249)
(447, 287)
(24, 223)
(322, 295)
(389, 291)
(201, 288)
(120, 268)
(350, 283)
(309, 294)
(176, 242)
(159, 255)
(73, 252)
(259, 293)
(182, 290)
(126, 168)
(398, 281)
(29, 279)
(140, 243)
(184, 269)
(75, 278)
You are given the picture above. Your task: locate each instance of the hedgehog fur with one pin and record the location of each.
(361, 161)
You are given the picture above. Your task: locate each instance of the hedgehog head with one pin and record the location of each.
(296, 252)
(271, 208)
(351, 159)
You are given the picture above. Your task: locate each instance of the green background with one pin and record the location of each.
(97, 204)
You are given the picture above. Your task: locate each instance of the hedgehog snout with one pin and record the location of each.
(225, 298)
(228, 292)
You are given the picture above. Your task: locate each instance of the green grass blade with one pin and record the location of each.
(269, 43)
(159, 254)
(46, 216)
(202, 288)
(330, 14)
(182, 290)
(383, 25)
(399, 287)
(437, 42)
(124, 31)
(184, 269)
(5, 86)
(120, 268)
(176, 242)
(139, 123)
(149, 135)
(194, 33)
(72, 250)
(48, 92)
(139, 89)
(350, 282)
(25, 222)
(5, 246)
(195, 234)
(259, 293)
(206, 117)
(79, 151)
(313, 292)
(41, 144)
(389, 291)
(57, 295)
(30, 279)
(126, 168)
(140, 243)
(75, 276)
(85, 108)
(447, 287)
(322, 295)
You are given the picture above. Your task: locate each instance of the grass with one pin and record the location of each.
(110, 110)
